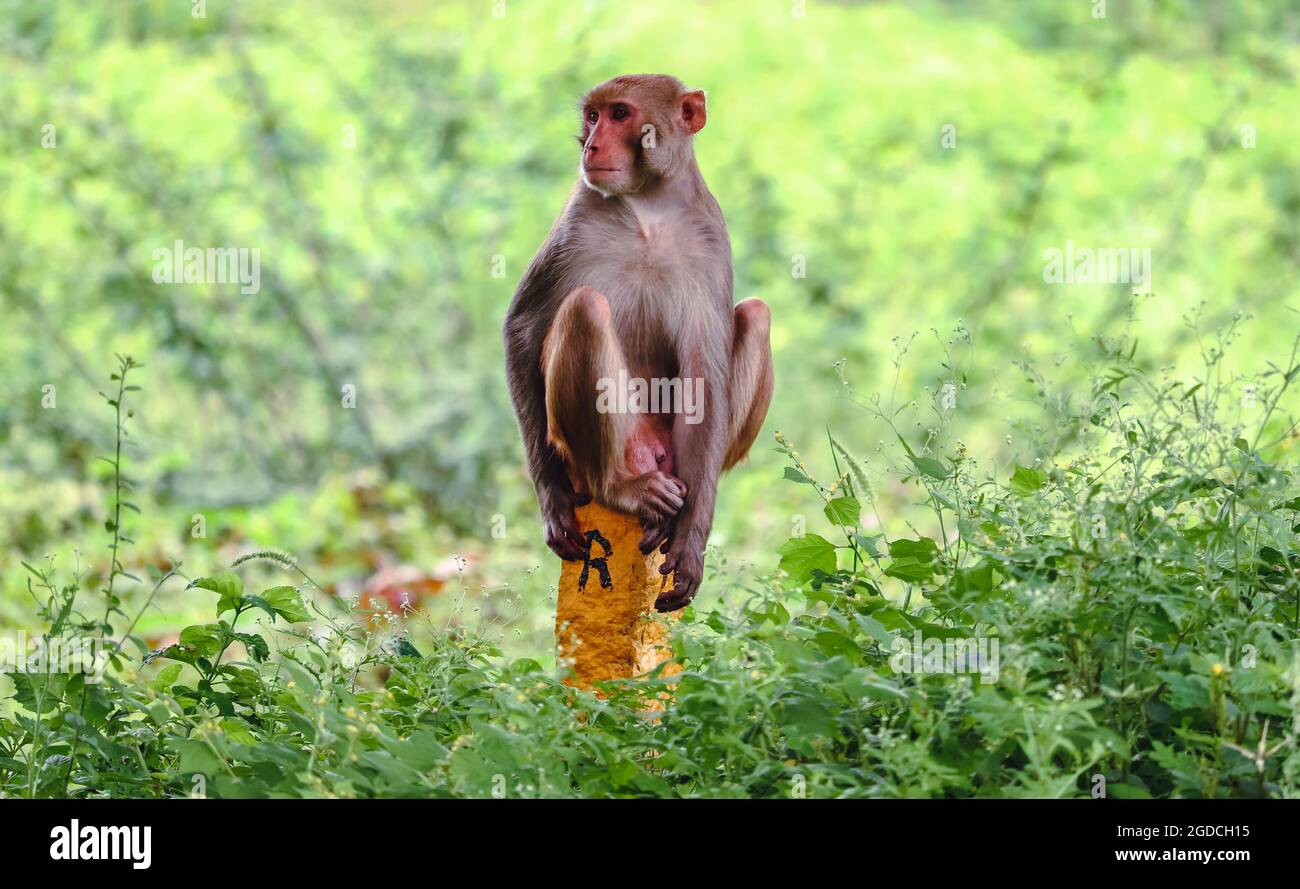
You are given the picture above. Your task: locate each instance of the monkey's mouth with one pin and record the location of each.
(601, 170)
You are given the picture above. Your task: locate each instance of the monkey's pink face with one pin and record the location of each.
(611, 160)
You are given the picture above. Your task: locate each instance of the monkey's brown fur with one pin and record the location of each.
(636, 275)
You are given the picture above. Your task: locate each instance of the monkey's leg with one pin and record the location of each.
(581, 363)
(750, 390)
(604, 623)
(579, 351)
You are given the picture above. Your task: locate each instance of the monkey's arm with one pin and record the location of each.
(527, 321)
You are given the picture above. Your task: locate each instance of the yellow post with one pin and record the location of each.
(604, 626)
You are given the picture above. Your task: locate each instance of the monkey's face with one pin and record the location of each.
(636, 131)
(613, 139)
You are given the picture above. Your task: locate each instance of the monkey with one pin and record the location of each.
(634, 282)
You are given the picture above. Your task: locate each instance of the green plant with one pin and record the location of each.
(1124, 595)
(1139, 577)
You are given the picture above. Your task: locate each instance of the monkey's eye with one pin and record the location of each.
(592, 116)
(620, 112)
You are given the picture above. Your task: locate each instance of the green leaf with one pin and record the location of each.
(1127, 791)
(914, 560)
(228, 585)
(237, 731)
(929, 466)
(286, 602)
(806, 718)
(837, 644)
(196, 757)
(874, 628)
(868, 544)
(800, 555)
(1026, 481)
(202, 639)
(166, 676)
(45, 690)
(795, 475)
(911, 571)
(892, 619)
(844, 511)
(196, 642)
(159, 713)
(623, 771)
(255, 644)
(922, 550)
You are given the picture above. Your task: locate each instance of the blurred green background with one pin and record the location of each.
(382, 156)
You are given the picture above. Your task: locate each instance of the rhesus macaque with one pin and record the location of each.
(635, 276)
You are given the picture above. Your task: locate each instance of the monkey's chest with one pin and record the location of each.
(651, 298)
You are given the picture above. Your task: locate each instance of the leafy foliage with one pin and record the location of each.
(1140, 586)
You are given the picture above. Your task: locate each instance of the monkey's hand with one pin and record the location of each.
(563, 535)
(654, 497)
(662, 498)
(686, 563)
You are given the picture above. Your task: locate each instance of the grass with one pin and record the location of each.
(1115, 614)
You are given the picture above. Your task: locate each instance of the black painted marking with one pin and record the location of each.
(594, 536)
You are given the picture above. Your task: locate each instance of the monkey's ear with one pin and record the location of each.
(690, 112)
